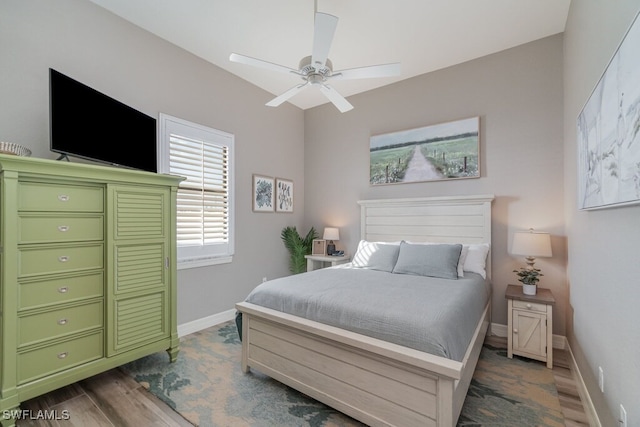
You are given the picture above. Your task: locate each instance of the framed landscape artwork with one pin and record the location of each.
(263, 194)
(608, 132)
(431, 153)
(284, 195)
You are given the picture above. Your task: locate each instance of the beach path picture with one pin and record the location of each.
(431, 153)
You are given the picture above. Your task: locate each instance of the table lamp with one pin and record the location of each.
(331, 234)
(531, 244)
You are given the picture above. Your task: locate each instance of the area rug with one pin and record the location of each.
(206, 386)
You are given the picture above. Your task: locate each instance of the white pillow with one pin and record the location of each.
(476, 260)
(463, 258)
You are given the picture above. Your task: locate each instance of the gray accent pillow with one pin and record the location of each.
(439, 260)
(376, 255)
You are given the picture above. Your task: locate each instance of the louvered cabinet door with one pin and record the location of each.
(139, 281)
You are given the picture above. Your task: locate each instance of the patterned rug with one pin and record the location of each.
(207, 387)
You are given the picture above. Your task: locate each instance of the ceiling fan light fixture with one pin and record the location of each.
(306, 67)
(317, 69)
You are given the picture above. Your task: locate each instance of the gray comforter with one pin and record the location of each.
(433, 315)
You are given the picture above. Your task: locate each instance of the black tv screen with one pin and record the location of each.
(88, 124)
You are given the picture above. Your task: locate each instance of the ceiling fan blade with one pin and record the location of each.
(372, 71)
(285, 96)
(324, 29)
(338, 100)
(247, 60)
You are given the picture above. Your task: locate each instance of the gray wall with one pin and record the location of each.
(527, 153)
(603, 266)
(103, 51)
(518, 95)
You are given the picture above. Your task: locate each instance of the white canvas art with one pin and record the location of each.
(608, 132)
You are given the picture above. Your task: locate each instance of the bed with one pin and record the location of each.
(372, 377)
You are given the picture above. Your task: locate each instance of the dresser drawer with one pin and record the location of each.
(57, 323)
(43, 229)
(56, 291)
(60, 259)
(57, 357)
(524, 305)
(35, 196)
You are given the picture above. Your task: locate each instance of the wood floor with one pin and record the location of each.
(572, 408)
(115, 399)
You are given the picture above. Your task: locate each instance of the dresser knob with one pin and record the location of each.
(63, 290)
(63, 197)
(63, 258)
(529, 306)
(62, 322)
(63, 228)
(63, 355)
(515, 331)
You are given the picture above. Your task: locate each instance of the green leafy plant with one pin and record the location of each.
(528, 276)
(298, 247)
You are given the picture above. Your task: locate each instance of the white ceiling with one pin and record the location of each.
(423, 35)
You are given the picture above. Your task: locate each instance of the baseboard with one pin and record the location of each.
(589, 408)
(500, 330)
(205, 322)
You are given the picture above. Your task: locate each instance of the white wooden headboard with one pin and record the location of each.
(454, 219)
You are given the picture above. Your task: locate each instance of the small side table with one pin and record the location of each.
(530, 324)
(315, 262)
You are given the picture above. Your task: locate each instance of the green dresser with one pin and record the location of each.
(87, 272)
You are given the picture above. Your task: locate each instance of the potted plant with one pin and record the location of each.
(298, 247)
(529, 277)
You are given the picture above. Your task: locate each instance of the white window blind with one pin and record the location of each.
(204, 156)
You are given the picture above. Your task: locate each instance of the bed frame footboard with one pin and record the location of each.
(376, 382)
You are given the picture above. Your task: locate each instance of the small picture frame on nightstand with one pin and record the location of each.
(319, 247)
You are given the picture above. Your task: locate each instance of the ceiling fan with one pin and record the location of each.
(317, 69)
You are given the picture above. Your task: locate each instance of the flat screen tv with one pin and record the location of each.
(88, 124)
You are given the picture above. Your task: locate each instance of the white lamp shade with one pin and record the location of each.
(531, 243)
(331, 233)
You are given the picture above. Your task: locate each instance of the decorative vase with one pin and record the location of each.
(528, 289)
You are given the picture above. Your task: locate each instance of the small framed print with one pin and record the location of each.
(263, 194)
(284, 195)
(319, 247)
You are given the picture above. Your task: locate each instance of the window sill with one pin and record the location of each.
(185, 264)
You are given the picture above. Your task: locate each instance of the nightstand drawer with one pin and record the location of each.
(57, 291)
(57, 323)
(36, 196)
(60, 259)
(48, 360)
(524, 305)
(39, 229)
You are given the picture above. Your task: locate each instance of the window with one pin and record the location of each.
(204, 156)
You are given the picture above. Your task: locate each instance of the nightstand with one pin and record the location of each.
(530, 324)
(315, 262)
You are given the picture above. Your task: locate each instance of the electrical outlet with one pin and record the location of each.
(601, 378)
(623, 417)
(264, 279)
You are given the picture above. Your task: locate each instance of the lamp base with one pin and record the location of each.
(331, 248)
